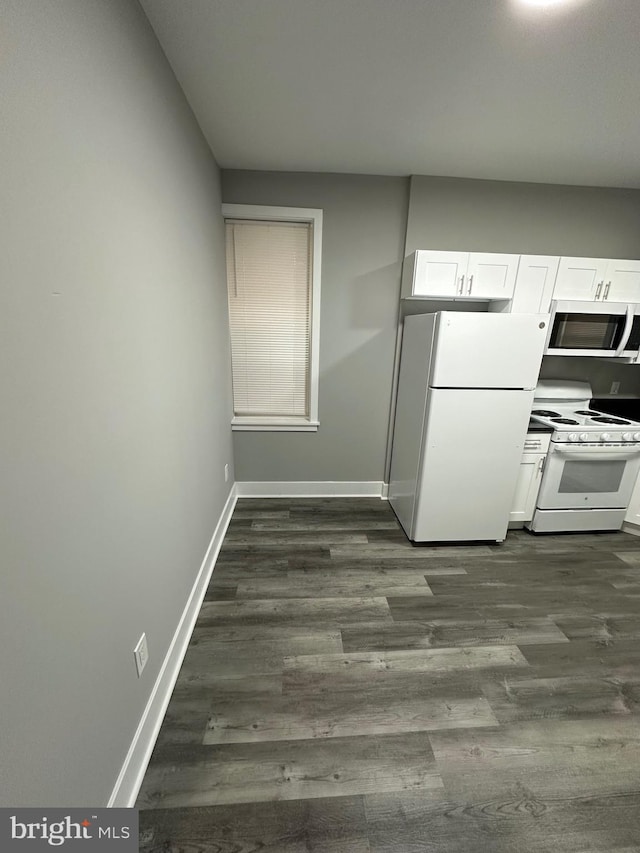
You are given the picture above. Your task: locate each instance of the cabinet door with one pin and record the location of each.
(534, 284)
(580, 278)
(491, 276)
(439, 273)
(529, 478)
(633, 510)
(622, 282)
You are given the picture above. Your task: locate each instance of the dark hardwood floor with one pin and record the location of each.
(347, 692)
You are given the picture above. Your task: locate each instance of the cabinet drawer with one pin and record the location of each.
(537, 442)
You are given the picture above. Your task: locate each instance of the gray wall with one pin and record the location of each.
(537, 219)
(363, 242)
(114, 380)
(365, 227)
(597, 371)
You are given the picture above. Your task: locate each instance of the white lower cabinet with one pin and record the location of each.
(633, 510)
(530, 477)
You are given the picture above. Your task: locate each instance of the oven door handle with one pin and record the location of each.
(626, 334)
(597, 455)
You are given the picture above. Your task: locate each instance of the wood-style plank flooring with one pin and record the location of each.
(347, 692)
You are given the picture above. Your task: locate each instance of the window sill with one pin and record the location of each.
(273, 425)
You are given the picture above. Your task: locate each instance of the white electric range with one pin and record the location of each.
(592, 464)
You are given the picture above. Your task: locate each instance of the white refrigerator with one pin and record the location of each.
(465, 392)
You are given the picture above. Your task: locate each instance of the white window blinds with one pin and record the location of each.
(269, 281)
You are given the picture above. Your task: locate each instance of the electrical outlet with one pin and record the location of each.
(226, 473)
(141, 654)
(615, 387)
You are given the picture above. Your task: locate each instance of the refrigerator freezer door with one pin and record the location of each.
(477, 350)
(469, 466)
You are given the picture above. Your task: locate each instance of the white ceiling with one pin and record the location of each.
(468, 88)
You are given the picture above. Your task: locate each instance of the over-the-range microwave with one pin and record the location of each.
(610, 330)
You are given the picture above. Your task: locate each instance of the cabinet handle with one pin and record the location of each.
(606, 290)
(541, 465)
(599, 289)
(461, 291)
(470, 285)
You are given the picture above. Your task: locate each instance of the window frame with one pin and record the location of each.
(313, 216)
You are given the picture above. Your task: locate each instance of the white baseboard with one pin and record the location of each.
(130, 778)
(630, 527)
(312, 489)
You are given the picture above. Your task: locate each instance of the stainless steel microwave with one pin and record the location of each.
(607, 330)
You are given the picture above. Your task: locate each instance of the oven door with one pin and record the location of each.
(589, 476)
(590, 329)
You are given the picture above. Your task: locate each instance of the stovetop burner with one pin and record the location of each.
(545, 413)
(565, 421)
(601, 419)
(586, 412)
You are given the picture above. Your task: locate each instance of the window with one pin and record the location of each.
(273, 277)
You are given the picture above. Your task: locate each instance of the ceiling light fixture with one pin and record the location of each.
(546, 4)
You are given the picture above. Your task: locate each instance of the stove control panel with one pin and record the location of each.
(595, 437)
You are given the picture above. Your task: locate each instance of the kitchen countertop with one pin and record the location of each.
(536, 427)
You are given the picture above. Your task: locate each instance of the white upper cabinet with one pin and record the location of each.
(534, 284)
(598, 279)
(459, 275)
(491, 276)
(622, 282)
(435, 273)
(580, 278)
(521, 284)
